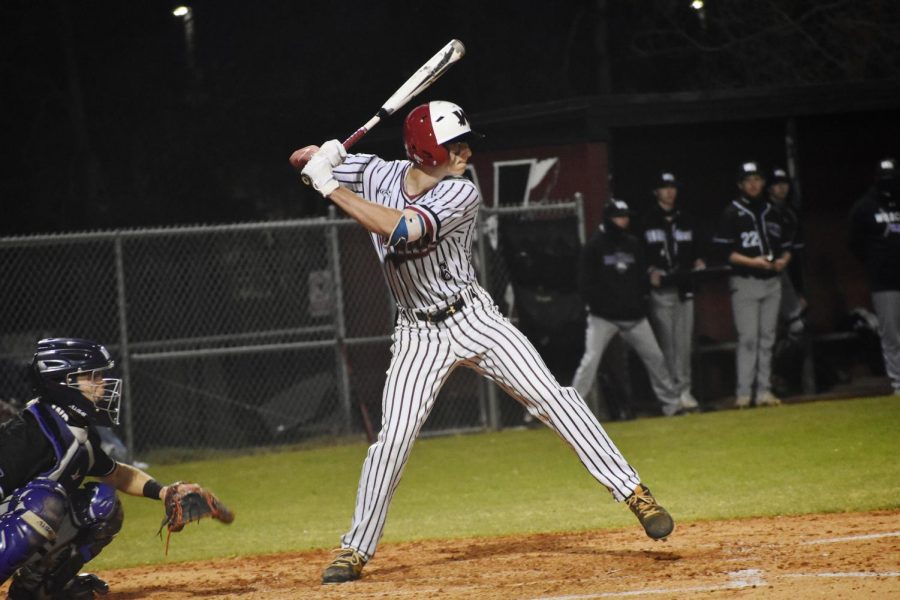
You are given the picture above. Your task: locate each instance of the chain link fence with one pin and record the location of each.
(253, 334)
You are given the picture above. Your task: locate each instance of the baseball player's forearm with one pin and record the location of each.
(756, 262)
(374, 217)
(128, 479)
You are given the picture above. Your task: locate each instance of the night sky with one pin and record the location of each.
(107, 126)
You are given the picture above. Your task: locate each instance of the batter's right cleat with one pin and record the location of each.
(656, 520)
(346, 567)
(742, 402)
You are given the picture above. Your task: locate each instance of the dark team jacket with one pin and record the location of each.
(670, 246)
(875, 239)
(41, 442)
(751, 228)
(613, 275)
(793, 241)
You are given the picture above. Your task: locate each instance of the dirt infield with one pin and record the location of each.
(853, 555)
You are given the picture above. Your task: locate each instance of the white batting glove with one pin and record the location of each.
(334, 152)
(318, 171)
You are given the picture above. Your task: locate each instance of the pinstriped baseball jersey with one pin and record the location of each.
(438, 266)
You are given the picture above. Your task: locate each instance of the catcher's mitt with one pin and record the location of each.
(187, 502)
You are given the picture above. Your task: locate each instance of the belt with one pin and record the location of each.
(436, 316)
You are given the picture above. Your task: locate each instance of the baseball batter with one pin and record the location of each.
(422, 215)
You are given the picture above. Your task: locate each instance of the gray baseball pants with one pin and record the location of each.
(887, 307)
(754, 304)
(673, 323)
(640, 337)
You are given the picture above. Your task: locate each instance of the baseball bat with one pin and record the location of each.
(427, 74)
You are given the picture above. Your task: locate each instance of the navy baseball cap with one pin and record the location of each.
(887, 168)
(748, 168)
(779, 175)
(617, 208)
(666, 179)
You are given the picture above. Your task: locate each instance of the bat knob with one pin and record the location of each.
(300, 157)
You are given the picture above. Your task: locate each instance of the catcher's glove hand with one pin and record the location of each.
(187, 502)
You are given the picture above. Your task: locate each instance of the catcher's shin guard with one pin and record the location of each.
(95, 518)
(34, 515)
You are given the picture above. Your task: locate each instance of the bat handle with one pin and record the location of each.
(357, 135)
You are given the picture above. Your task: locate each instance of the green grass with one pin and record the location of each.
(807, 458)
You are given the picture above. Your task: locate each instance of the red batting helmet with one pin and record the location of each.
(429, 126)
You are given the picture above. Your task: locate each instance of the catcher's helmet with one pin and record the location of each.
(429, 126)
(55, 370)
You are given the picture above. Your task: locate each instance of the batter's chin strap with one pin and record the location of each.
(409, 228)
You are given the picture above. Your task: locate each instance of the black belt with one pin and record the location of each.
(436, 316)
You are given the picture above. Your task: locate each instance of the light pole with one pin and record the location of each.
(187, 18)
(700, 7)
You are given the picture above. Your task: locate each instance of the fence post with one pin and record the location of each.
(579, 215)
(487, 392)
(340, 348)
(123, 347)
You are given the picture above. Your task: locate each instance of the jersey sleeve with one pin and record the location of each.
(725, 237)
(352, 172)
(452, 203)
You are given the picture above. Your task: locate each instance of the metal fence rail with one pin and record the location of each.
(242, 335)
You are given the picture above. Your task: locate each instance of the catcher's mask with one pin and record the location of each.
(429, 127)
(69, 373)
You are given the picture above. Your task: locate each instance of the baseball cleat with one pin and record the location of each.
(346, 567)
(768, 399)
(687, 400)
(742, 402)
(656, 520)
(84, 587)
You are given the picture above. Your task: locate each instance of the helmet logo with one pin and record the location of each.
(461, 116)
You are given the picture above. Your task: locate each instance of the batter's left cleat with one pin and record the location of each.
(656, 520)
(346, 567)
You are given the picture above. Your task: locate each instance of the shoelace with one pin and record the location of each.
(348, 558)
(646, 506)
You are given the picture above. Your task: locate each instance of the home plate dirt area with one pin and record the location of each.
(855, 555)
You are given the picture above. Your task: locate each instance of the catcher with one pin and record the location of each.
(51, 524)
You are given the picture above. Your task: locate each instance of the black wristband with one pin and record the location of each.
(152, 489)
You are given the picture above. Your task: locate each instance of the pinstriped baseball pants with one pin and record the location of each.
(424, 355)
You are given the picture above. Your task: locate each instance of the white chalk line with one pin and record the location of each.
(739, 580)
(852, 538)
(747, 577)
(852, 574)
